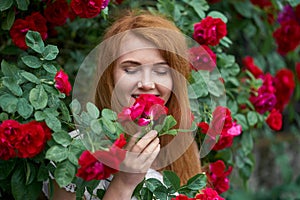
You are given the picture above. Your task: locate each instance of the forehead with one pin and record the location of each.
(131, 42)
(135, 47)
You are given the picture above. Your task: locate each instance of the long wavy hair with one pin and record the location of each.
(172, 45)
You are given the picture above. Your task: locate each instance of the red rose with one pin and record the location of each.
(297, 68)
(7, 151)
(248, 62)
(202, 58)
(86, 8)
(287, 36)
(222, 128)
(208, 194)
(10, 131)
(101, 164)
(209, 31)
(182, 197)
(218, 176)
(274, 120)
(34, 22)
(285, 85)
(32, 139)
(57, 12)
(62, 82)
(147, 107)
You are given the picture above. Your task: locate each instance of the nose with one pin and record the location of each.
(146, 82)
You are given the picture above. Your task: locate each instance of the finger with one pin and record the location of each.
(144, 141)
(133, 139)
(150, 159)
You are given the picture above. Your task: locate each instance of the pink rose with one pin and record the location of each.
(62, 82)
(209, 31)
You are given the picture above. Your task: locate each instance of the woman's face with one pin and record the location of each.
(141, 70)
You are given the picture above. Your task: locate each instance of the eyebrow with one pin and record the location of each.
(138, 63)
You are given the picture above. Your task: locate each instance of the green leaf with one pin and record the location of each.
(38, 97)
(40, 116)
(9, 20)
(152, 184)
(32, 61)
(216, 14)
(50, 52)
(96, 126)
(92, 110)
(160, 193)
(64, 111)
(168, 123)
(30, 77)
(23, 4)
(8, 103)
(214, 89)
(252, 118)
(34, 41)
(147, 194)
(8, 69)
(169, 132)
(109, 114)
(57, 153)
(43, 173)
(50, 68)
(197, 182)
(64, 173)
(6, 167)
(241, 119)
(200, 6)
(53, 123)
(75, 106)
(12, 85)
(24, 108)
(3, 116)
(247, 143)
(20, 189)
(171, 179)
(5, 4)
(62, 137)
(108, 125)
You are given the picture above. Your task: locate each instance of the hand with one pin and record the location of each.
(139, 157)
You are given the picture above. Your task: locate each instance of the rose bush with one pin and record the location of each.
(253, 44)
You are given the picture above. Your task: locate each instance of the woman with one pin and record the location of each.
(151, 58)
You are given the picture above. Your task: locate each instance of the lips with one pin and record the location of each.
(137, 95)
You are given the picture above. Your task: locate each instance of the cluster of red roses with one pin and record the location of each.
(206, 194)
(101, 164)
(146, 108)
(222, 130)
(22, 140)
(55, 13)
(274, 93)
(287, 35)
(208, 32)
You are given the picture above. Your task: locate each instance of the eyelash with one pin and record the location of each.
(130, 71)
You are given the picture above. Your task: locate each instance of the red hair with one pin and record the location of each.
(172, 46)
